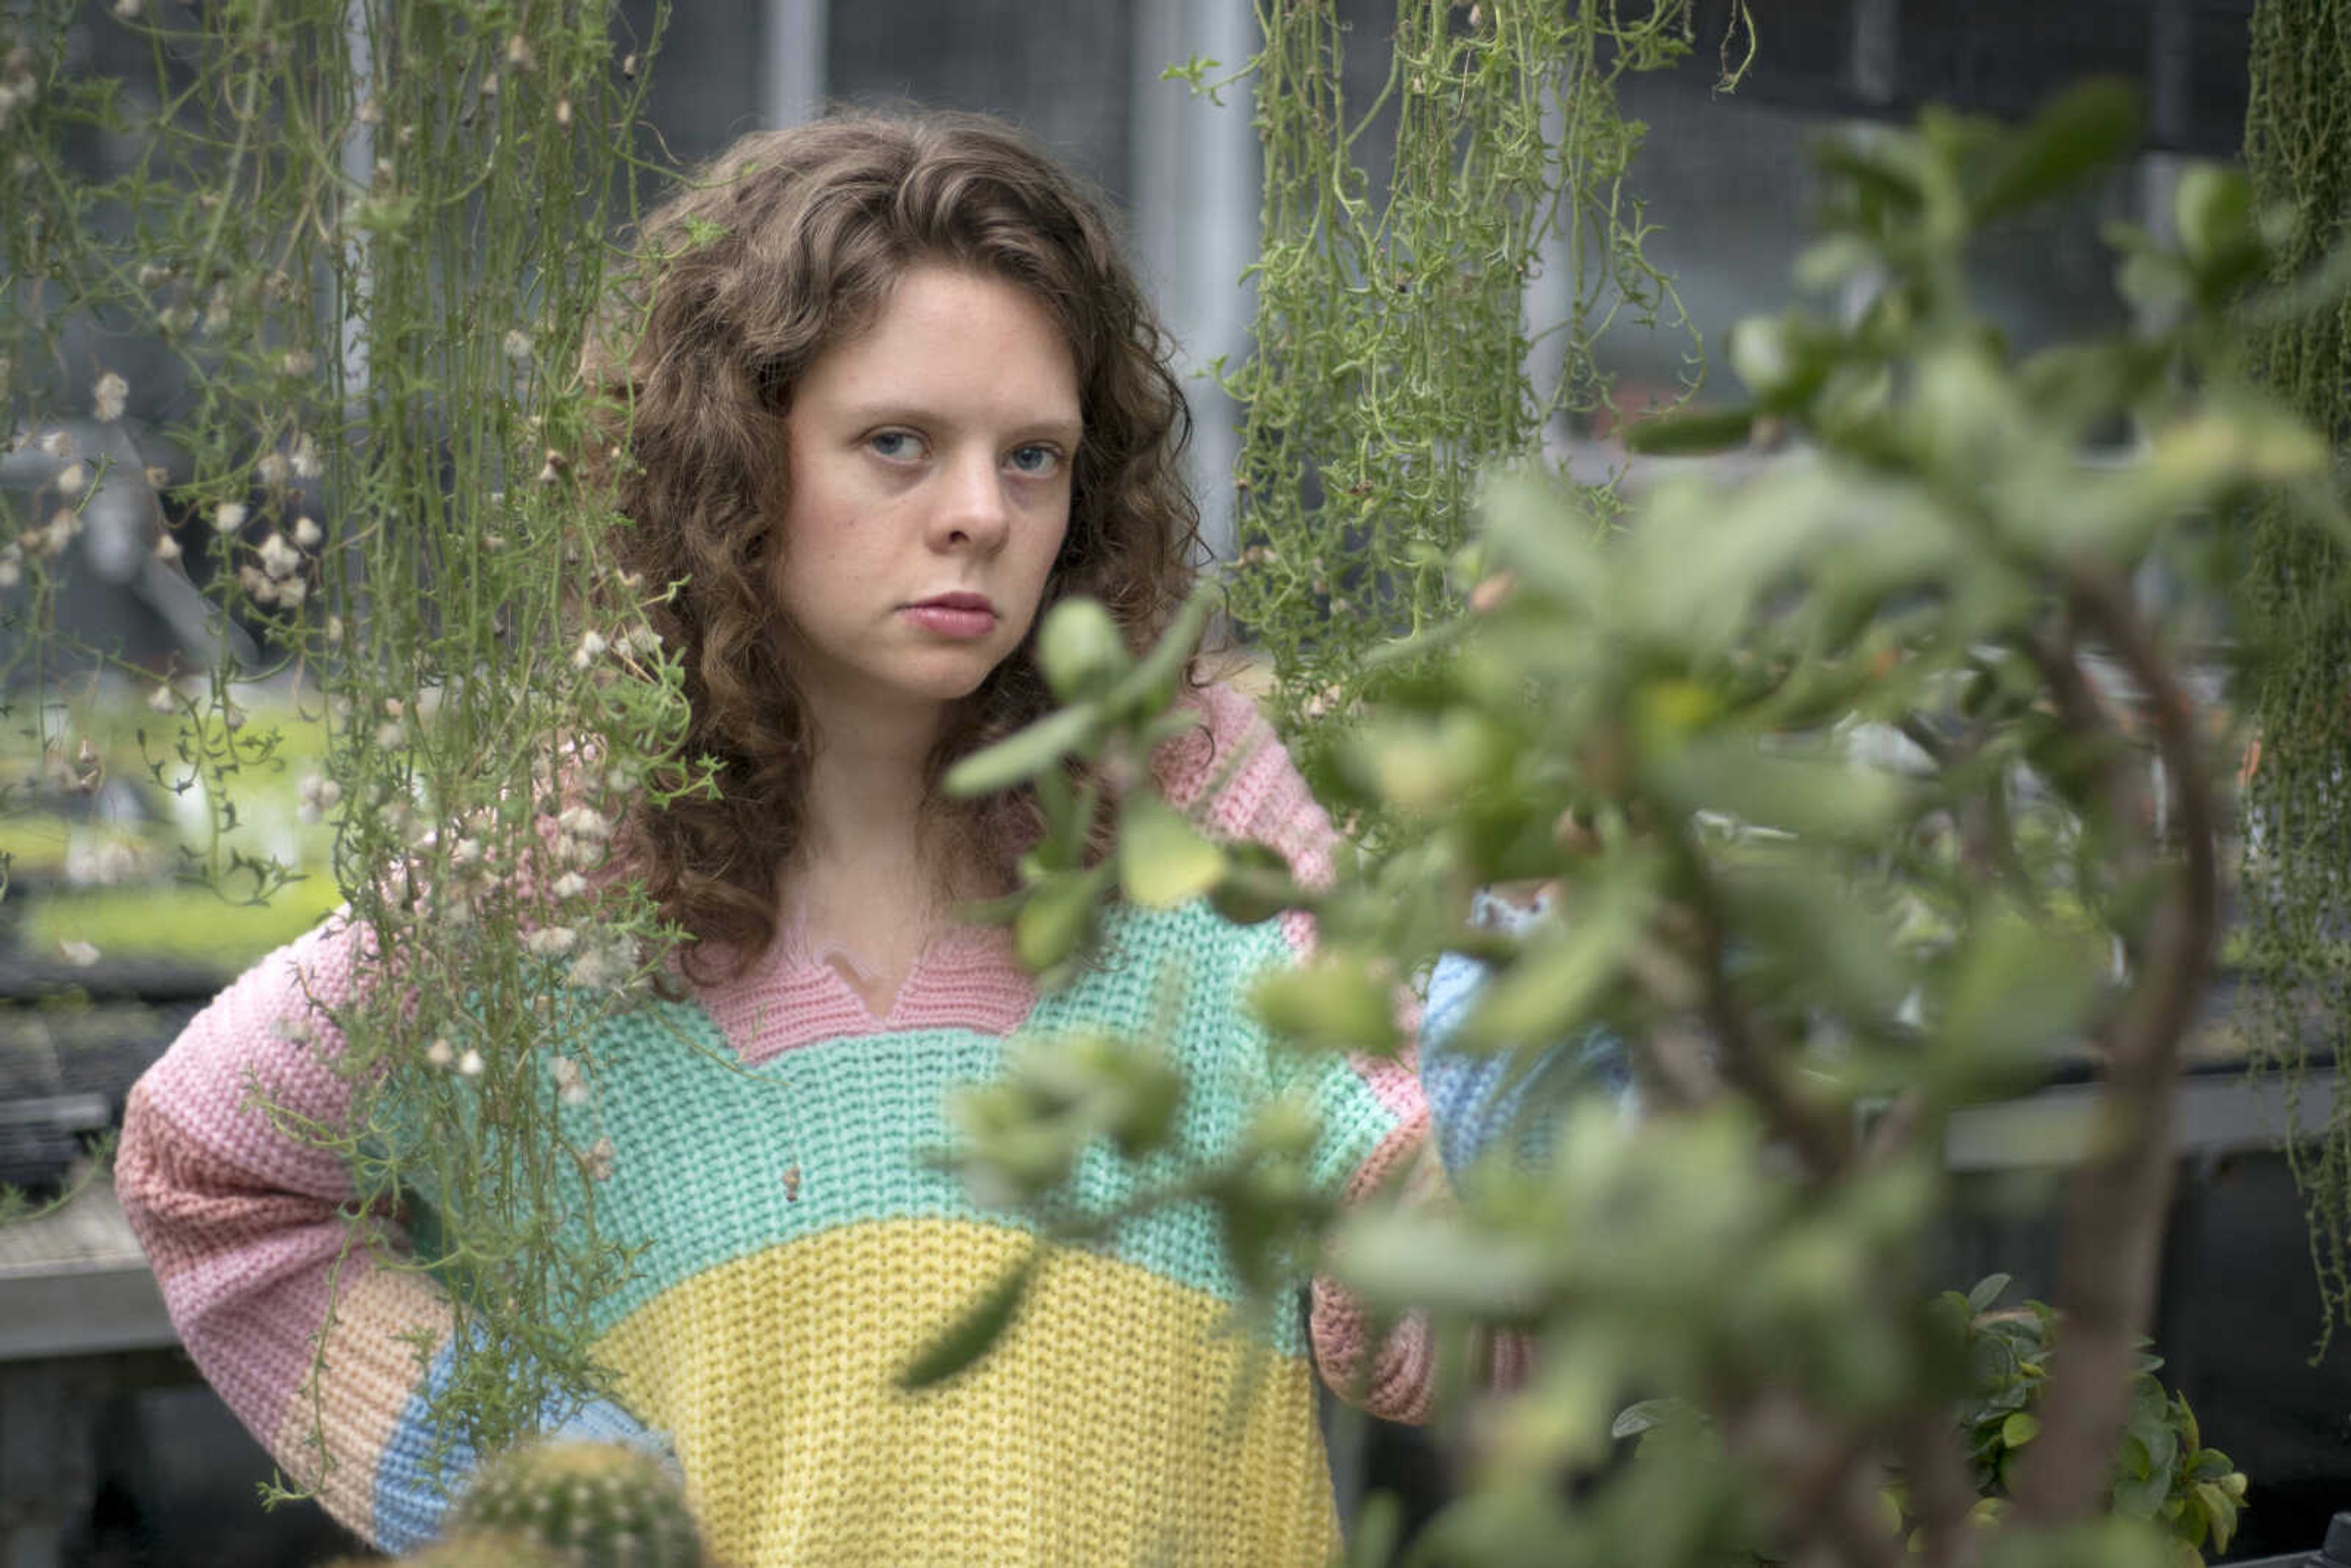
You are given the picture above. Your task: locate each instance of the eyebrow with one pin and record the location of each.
(1070, 431)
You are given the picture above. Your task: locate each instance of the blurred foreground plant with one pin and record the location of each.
(1870, 787)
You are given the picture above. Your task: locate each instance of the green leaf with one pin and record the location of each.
(1820, 798)
(977, 1332)
(2221, 1509)
(1080, 651)
(1332, 1002)
(2139, 1497)
(2019, 1428)
(2023, 985)
(1988, 1291)
(2213, 210)
(1637, 1418)
(1536, 529)
(1021, 757)
(1687, 434)
(1400, 1259)
(1256, 886)
(1057, 919)
(2085, 128)
(1163, 860)
(1150, 684)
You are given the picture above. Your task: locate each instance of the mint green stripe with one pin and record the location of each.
(703, 1146)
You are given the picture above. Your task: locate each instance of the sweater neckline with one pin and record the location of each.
(967, 976)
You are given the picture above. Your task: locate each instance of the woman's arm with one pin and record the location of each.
(313, 1329)
(1235, 776)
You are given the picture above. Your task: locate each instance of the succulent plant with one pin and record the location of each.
(582, 1505)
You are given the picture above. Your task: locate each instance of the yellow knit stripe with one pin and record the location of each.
(1112, 1423)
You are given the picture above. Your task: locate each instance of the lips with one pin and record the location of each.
(958, 602)
(957, 617)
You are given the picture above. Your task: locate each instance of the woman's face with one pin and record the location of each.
(930, 467)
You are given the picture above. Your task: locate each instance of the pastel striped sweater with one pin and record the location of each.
(768, 1138)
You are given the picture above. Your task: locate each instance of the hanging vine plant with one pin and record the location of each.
(370, 239)
(1395, 357)
(2297, 827)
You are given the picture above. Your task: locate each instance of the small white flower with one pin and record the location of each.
(292, 591)
(297, 1031)
(305, 457)
(306, 532)
(216, 310)
(57, 443)
(602, 969)
(390, 736)
(258, 585)
(599, 1160)
(274, 469)
(112, 391)
(151, 272)
(162, 699)
(551, 941)
(11, 570)
(465, 852)
(334, 630)
(81, 955)
(279, 559)
(319, 795)
(128, 10)
(371, 112)
(167, 549)
(518, 347)
(585, 822)
(470, 1064)
(570, 885)
(571, 1086)
(518, 53)
(591, 648)
(298, 362)
(563, 112)
(229, 516)
(73, 479)
(644, 639)
(439, 1052)
(64, 525)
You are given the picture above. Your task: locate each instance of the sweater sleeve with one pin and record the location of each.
(1235, 776)
(324, 1340)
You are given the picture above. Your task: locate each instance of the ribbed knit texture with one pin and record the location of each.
(769, 1140)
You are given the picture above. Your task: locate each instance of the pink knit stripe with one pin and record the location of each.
(236, 1054)
(243, 1269)
(1401, 1381)
(1260, 796)
(966, 978)
(371, 1371)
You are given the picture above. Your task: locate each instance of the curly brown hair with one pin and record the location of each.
(783, 248)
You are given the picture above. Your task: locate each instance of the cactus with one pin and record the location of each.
(477, 1550)
(586, 1505)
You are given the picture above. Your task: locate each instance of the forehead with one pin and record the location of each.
(952, 332)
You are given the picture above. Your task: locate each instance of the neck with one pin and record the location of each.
(866, 824)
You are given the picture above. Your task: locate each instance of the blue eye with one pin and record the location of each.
(893, 445)
(1034, 459)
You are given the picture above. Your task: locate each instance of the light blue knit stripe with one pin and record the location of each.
(412, 1496)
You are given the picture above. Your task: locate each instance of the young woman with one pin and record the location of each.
(894, 394)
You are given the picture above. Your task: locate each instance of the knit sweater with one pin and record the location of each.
(770, 1139)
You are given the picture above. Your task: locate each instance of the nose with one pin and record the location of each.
(974, 512)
